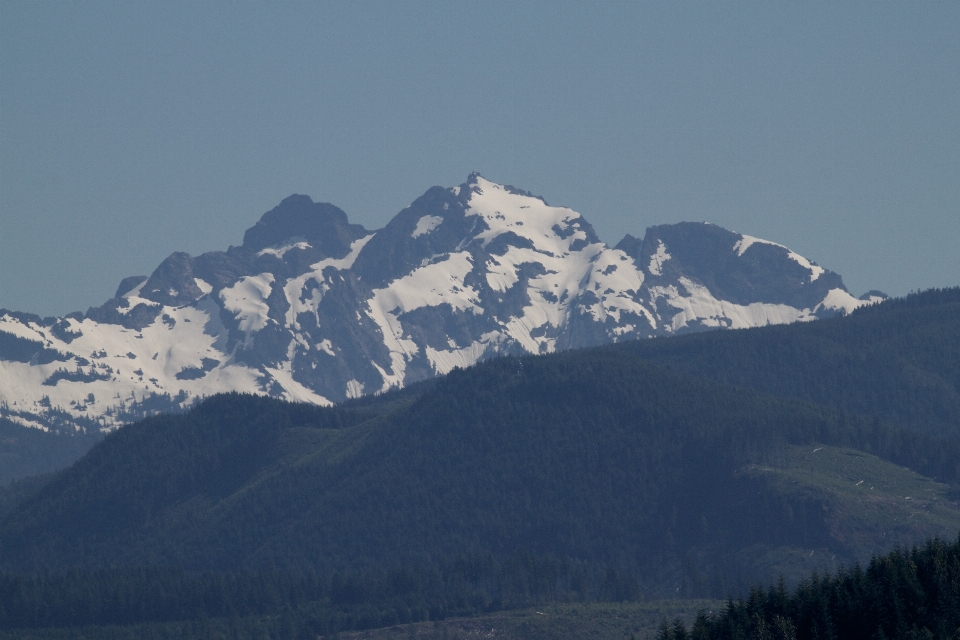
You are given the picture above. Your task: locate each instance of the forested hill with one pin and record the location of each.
(603, 472)
(899, 360)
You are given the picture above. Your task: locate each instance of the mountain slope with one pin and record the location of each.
(26, 451)
(312, 308)
(899, 360)
(594, 456)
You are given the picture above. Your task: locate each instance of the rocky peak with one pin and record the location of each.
(298, 218)
(313, 308)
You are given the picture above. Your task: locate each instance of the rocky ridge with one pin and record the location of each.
(312, 308)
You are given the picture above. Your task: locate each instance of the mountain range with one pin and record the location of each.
(312, 308)
(626, 471)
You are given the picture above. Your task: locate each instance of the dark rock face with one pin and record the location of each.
(119, 311)
(763, 272)
(321, 225)
(398, 248)
(313, 308)
(173, 283)
(128, 284)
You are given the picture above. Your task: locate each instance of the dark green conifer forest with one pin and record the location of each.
(908, 593)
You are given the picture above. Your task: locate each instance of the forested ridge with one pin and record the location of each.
(898, 360)
(595, 455)
(616, 473)
(27, 451)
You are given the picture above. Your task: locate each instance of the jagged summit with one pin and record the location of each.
(322, 225)
(310, 307)
(477, 180)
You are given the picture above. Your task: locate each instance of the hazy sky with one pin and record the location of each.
(131, 130)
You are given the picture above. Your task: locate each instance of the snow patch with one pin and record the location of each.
(26, 422)
(840, 300)
(204, 286)
(815, 270)
(429, 286)
(657, 260)
(280, 250)
(247, 301)
(746, 241)
(346, 261)
(293, 390)
(293, 288)
(133, 299)
(135, 292)
(443, 362)
(501, 275)
(354, 388)
(699, 306)
(326, 346)
(616, 282)
(426, 224)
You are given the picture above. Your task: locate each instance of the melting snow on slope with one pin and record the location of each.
(840, 300)
(133, 299)
(204, 286)
(279, 251)
(745, 241)
(346, 261)
(426, 224)
(293, 288)
(501, 275)
(428, 286)
(138, 364)
(698, 305)
(657, 260)
(293, 390)
(443, 362)
(551, 293)
(133, 365)
(616, 281)
(815, 270)
(354, 388)
(247, 300)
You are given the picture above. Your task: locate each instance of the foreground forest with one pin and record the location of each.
(692, 467)
(908, 593)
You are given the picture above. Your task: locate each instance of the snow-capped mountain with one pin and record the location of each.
(312, 308)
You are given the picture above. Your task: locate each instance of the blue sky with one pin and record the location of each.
(132, 130)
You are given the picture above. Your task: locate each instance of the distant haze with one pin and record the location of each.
(132, 130)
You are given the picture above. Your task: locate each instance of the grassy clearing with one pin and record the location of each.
(871, 503)
(600, 621)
